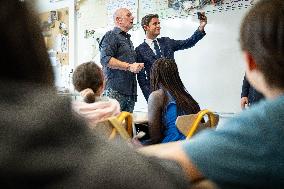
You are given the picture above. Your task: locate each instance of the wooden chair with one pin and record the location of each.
(190, 124)
(120, 126)
(124, 129)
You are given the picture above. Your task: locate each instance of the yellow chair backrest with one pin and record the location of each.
(116, 127)
(189, 124)
(123, 125)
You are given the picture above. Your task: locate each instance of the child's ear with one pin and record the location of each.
(249, 61)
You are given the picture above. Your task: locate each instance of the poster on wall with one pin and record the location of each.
(61, 43)
(55, 28)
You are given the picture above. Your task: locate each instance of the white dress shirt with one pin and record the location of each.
(151, 44)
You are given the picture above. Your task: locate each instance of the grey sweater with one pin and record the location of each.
(43, 144)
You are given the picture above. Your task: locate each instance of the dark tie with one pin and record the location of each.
(157, 49)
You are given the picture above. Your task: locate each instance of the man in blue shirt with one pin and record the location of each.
(247, 151)
(118, 59)
(153, 48)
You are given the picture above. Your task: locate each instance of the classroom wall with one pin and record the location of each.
(90, 18)
(62, 72)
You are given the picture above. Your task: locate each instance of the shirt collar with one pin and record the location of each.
(150, 41)
(117, 30)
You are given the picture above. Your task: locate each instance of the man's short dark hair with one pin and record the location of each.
(147, 19)
(262, 35)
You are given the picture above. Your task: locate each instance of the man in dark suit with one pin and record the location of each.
(249, 94)
(153, 48)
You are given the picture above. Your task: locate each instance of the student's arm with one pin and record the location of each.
(155, 103)
(174, 151)
(225, 154)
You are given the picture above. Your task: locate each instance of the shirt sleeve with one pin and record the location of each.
(108, 48)
(188, 43)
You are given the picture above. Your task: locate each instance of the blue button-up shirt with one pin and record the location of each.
(117, 44)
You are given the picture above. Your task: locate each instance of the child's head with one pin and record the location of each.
(262, 40)
(165, 75)
(89, 75)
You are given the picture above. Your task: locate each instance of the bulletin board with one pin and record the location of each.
(55, 28)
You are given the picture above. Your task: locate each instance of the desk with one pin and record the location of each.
(140, 117)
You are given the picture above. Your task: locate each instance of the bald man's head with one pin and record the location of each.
(123, 19)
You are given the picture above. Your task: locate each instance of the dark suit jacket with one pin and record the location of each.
(249, 91)
(168, 47)
(44, 145)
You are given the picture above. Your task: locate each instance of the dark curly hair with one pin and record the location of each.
(262, 35)
(147, 19)
(88, 75)
(165, 75)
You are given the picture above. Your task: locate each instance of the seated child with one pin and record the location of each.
(168, 100)
(88, 79)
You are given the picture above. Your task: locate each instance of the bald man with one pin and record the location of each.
(118, 59)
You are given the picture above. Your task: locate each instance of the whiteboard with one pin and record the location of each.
(213, 70)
